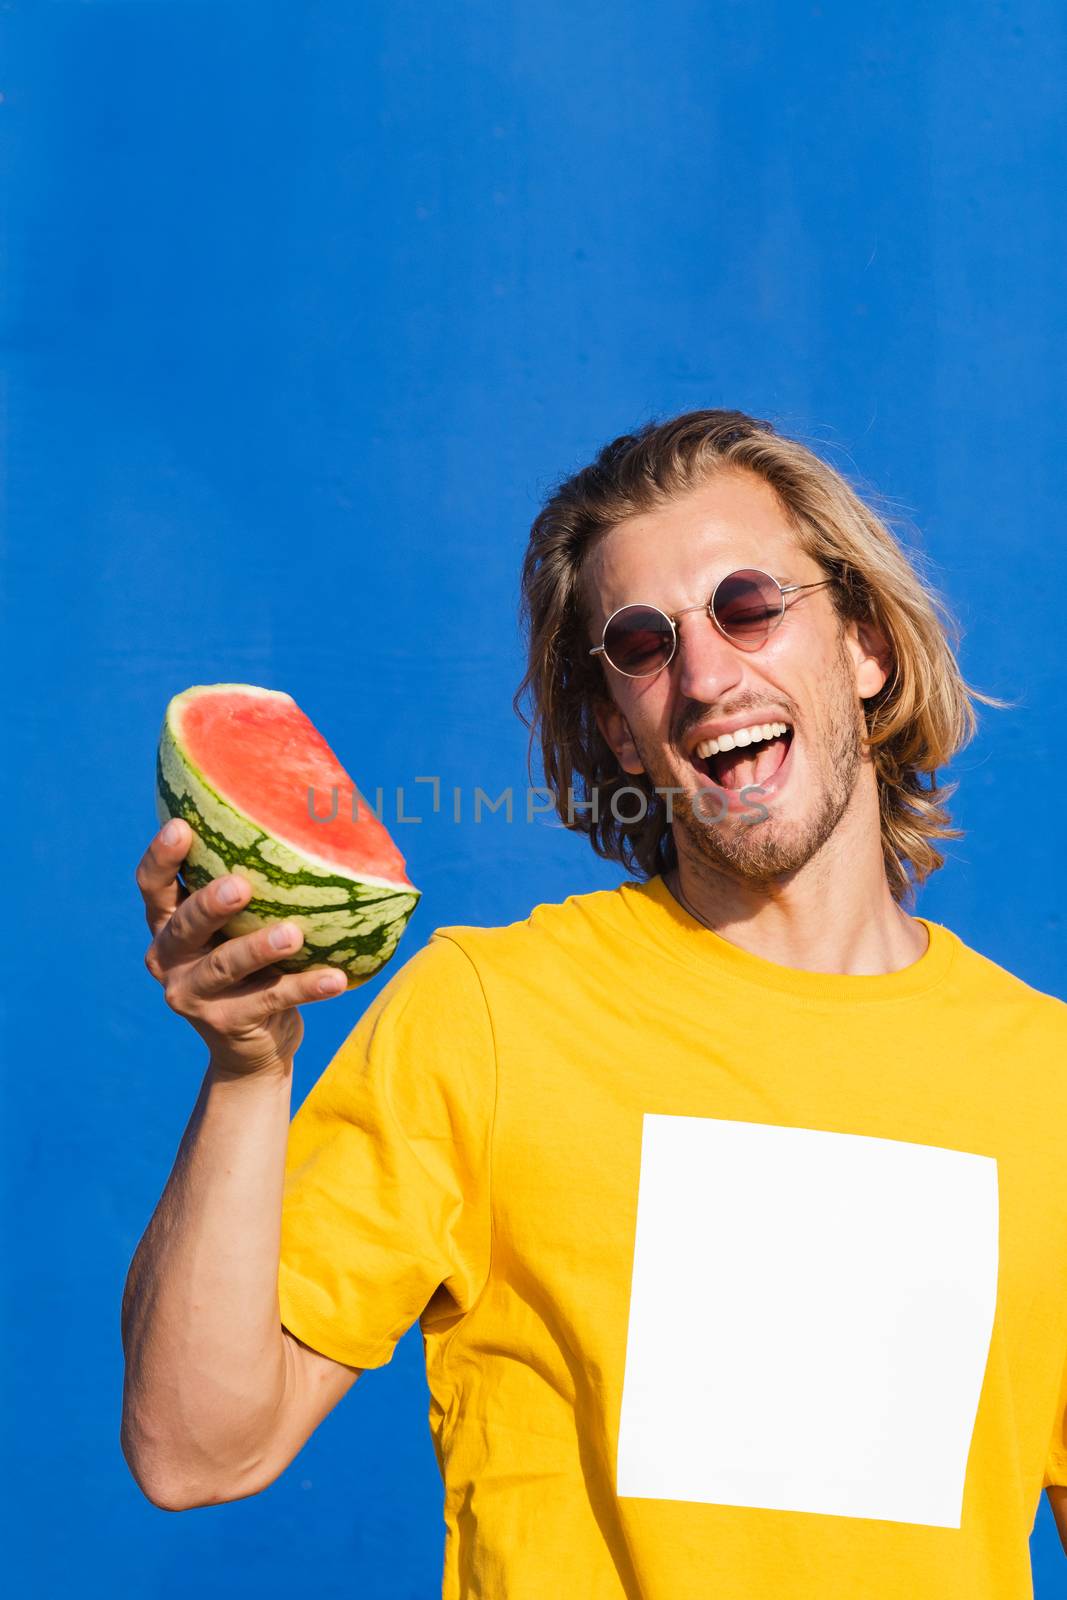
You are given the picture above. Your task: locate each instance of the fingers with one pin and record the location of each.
(234, 960)
(201, 915)
(198, 965)
(236, 989)
(253, 1003)
(157, 872)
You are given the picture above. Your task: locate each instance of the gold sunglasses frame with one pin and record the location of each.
(709, 607)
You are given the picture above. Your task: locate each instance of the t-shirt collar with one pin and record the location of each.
(659, 917)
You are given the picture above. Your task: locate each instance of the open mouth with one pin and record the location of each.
(747, 756)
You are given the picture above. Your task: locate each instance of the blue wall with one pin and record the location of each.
(307, 304)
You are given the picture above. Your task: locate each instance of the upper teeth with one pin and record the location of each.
(741, 736)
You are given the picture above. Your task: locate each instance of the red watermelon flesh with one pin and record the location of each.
(264, 755)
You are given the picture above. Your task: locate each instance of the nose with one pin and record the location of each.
(706, 666)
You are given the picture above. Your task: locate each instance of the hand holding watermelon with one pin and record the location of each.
(231, 991)
(247, 780)
(266, 798)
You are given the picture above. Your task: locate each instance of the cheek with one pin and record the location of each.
(646, 707)
(815, 677)
(648, 718)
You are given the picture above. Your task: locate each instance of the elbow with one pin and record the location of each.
(165, 1492)
(161, 1486)
(171, 1493)
(169, 1489)
(165, 1496)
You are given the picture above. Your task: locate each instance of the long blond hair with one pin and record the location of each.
(923, 715)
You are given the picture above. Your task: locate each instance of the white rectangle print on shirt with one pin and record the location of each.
(810, 1320)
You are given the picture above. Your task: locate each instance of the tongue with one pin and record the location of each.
(755, 764)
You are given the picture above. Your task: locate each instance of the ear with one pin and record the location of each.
(616, 731)
(872, 658)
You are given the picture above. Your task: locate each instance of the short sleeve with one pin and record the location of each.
(386, 1203)
(1056, 1455)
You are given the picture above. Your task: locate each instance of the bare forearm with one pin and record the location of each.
(205, 1352)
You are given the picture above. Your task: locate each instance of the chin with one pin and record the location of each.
(757, 860)
(764, 850)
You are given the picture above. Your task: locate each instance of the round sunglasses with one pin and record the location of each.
(746, 607)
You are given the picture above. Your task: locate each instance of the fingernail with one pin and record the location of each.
(280, 937)
(332, 983)
(230, 892)
(171, 833)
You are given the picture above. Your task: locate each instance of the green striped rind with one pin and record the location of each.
(346, 922)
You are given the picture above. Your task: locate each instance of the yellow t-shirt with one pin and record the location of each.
(736, 1281)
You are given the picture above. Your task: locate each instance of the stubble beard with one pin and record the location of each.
(766, 849)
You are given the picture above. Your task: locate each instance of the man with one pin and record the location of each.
(732, 1201)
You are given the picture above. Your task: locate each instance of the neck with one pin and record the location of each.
(834, 914)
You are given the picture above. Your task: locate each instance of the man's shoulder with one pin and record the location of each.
(552, 926)
(463, 966)
(995, 983)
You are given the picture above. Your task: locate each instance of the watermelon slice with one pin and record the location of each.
(245, 767)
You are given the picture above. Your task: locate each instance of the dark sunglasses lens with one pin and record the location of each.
(638, 640)
(747, 606)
